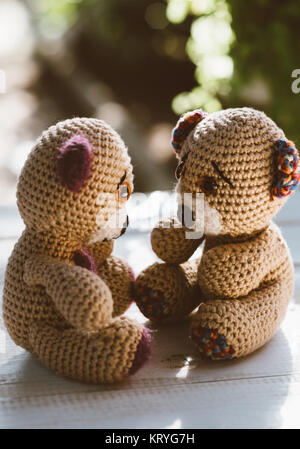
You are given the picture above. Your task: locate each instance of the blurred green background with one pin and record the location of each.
(138, 64)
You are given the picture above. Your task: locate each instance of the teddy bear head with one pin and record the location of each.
(76, 181)
(241, 163)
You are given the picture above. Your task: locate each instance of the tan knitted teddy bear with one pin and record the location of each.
(64, 293)
(245, 168)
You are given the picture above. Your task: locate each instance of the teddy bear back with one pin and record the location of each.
(237, 147)
(61, 190)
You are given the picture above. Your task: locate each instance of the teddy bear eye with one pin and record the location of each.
(124, 191)
(208, 185)
(179, 170)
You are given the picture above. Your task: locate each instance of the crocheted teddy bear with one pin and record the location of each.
(64, 292)
(244, 167)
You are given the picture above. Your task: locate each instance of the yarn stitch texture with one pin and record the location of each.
(237, 292)
(287, 162)
(64, 297)
(184, 126)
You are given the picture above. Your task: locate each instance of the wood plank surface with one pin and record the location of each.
(175, 389)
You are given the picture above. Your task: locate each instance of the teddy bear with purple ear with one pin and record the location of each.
(64, 293)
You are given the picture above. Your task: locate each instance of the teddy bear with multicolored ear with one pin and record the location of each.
(236, 170)
(64, 293)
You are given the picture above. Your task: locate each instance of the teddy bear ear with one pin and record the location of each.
(287, 176)
(184, 126)
(74, 162)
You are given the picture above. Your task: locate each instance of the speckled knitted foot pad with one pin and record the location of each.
(210, 343)
(153, 304)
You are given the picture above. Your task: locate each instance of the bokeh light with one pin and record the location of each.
(138, 64)
(155, 16)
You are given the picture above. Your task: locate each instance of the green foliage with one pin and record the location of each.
(208, 48)
(56, 16)
(267, 48)
(242, 53)
(261, 38)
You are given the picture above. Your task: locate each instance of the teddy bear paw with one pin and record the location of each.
(154, 304)
(211, 344)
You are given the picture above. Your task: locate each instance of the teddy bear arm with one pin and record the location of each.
(116, 273)
(81, 296)
(235, 269)
(101, 251)
(169, 242)
(119, 276)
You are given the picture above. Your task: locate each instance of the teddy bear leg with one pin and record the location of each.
(231, 328)
(119, 276)
(168, 292)
(109, 355)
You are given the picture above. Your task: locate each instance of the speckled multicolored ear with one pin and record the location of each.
(184, 126)
(286, 167)
(74, 162)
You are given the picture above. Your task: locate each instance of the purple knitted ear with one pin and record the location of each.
(74, 162)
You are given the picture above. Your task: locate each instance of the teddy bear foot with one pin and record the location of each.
(211, 344)
(142, 353)
(154, 304)
(118, 350)
(167, 292)
(233, 328)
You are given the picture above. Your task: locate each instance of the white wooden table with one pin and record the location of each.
(175, 389)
